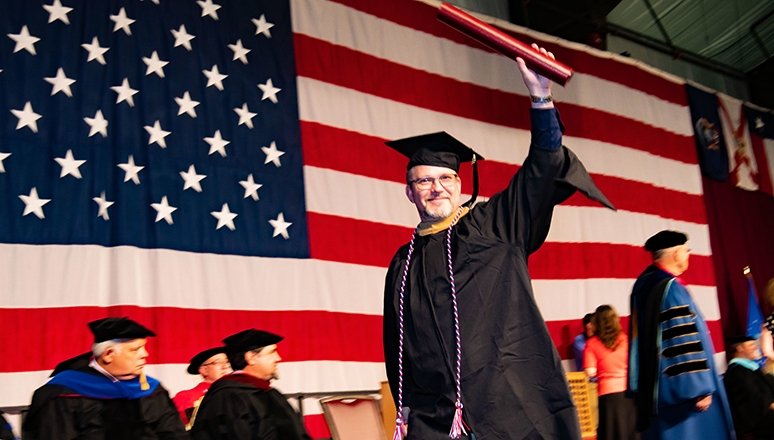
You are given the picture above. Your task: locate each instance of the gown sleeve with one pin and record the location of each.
(521, 213)
(685, 347)
(164, 416)
(63, 418)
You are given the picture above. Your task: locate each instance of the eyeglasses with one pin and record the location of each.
(218, 363)
(446, 180)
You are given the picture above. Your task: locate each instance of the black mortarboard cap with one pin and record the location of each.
(739, 339)
(107, 329)
(665, 239)
(250, 339)
(438, 149)
(74, 363)
(200, 358)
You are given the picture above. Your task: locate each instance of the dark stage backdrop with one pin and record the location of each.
(741, 225)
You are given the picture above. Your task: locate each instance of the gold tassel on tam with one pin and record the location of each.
(144, 381)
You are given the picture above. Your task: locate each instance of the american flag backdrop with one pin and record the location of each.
(208, 166)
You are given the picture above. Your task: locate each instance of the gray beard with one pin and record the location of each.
(439, 214)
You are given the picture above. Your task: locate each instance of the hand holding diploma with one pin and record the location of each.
(536, 60)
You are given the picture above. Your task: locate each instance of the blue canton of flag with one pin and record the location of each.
(156, 124)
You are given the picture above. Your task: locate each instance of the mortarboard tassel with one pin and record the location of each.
(398, 434)
(473, 196)
(144, 381)
(458, 426)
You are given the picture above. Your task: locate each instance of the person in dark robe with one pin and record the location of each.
(107, 397)
(750, 391)
(672, 373)
(6, 433)
(243, 405)
(466, 348)
(211, 365)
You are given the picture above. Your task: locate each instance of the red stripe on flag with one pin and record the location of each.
(374, 244)
(354, 153)
(422, 17)
(309, 335)
(368, 156)
(369, 243)
(606, 260)
(628, 195)
(379, 77)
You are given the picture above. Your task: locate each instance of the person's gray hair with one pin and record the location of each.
(658, 254)
(99, 348)
(661, 253)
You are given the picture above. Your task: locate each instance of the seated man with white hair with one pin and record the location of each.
(110, 398)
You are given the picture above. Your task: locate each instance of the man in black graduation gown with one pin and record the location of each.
(6, 433)
(243, 405)
(106, 397)
(750, 391)
(502, 377)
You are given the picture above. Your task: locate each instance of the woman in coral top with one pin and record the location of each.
(605, 358)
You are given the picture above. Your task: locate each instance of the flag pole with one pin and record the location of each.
(754, 315)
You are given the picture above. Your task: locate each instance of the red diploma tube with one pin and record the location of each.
(503, 43)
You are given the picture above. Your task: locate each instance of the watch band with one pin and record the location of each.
(541, 99)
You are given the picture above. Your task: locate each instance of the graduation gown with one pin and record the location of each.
(513, 384)
(241, 407)
(750, 394)
(6, 433)
(90, 410)
(671, 364)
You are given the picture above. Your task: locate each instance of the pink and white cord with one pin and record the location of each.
(458, 424)
(400, 424)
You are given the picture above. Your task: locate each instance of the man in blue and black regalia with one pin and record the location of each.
(105, 394)
(672, 374)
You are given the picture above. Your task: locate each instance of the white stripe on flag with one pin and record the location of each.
(362, 32)
(571, 224)
(349, 109)
(85, 285)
